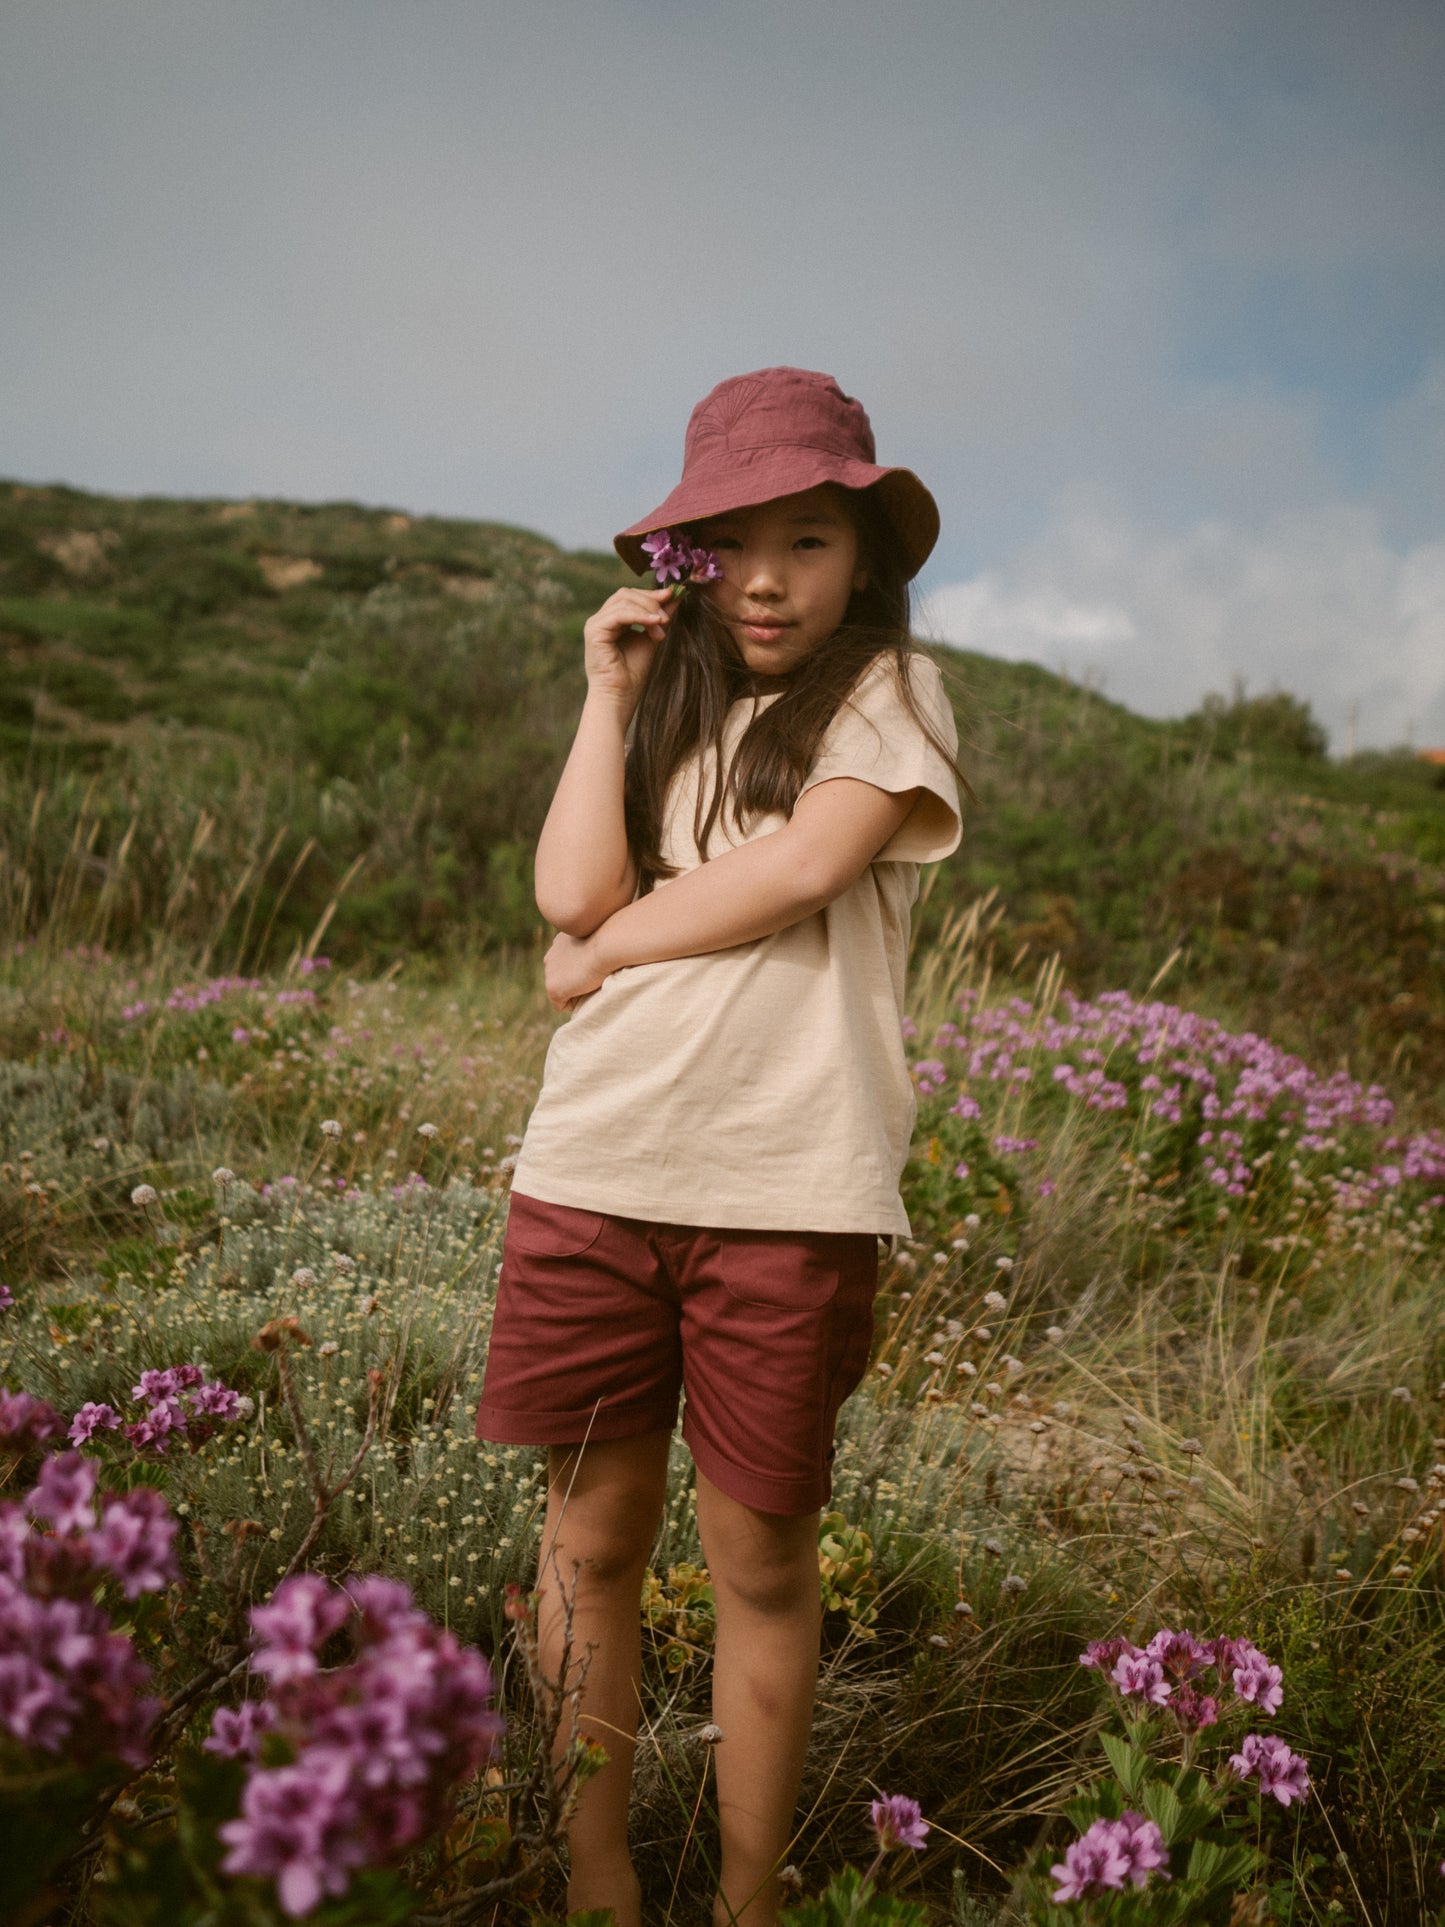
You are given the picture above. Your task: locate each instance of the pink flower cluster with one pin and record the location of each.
(196, 996)
(180, 1403)
(1111, 1854)
(1268, 1760)
(376, 1746)
(1235, 1094)
(69, 1682)
(675, 559)
(27, 1421)
(898, 1822)
(1164, 1673)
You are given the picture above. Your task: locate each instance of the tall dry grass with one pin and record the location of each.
(1137, 1435)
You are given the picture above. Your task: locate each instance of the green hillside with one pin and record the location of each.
(235, 723)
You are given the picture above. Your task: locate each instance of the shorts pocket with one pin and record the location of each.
(794, 1272)
(551, 1230)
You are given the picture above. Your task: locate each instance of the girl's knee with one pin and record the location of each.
(602, 1515)
(596, 1562)
(771, 1577)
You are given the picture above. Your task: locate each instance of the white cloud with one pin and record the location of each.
(1315, 603)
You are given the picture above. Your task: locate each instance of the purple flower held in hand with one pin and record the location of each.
(898, 1822)
(1270, 1761)
(675, 559)
(90, 1419)
(1139, 1677)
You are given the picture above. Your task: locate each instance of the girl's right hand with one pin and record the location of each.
(615, 656)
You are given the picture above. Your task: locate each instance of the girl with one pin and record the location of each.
(723, 1122)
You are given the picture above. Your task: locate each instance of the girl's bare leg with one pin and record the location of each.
(604, 1502)
(765, 1672)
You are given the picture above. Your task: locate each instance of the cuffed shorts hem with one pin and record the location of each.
(790, 1498)
(503, 1427)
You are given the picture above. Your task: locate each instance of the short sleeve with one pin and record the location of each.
(875, 737)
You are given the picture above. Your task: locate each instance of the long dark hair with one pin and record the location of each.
(697, 674)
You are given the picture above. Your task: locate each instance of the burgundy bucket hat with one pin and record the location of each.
(777, 432)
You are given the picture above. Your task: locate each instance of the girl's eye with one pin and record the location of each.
(810, 542)
(723, 542)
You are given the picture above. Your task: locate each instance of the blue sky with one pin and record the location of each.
(1152, 293)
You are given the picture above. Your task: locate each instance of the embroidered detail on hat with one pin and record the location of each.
(713, 418)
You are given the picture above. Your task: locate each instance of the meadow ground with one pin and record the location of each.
(1165, 1349)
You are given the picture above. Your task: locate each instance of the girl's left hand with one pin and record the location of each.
(572, 971)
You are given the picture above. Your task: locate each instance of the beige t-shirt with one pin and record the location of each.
(764, 1085)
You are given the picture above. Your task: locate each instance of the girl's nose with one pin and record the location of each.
(762, 572)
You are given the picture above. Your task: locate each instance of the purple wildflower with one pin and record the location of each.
(298, 1825)
(236, 1730)
(1137, 1676)
(898, 1822)
(163, 1420)
(1110, 1853)
(1096, 1863)
(675, 559)
(15, 1535)
(386, 1607)
(303, 1614)
(1145, 1847)
(64, 1493)
(26, 1421)
(1192, 1709)
(1270, 1761)
(377, 1746)
(215, 1400)
(165, 1385)
(1104, 1654)
(1180, 1654)
(134, 1542)
(7, 1298)
(90, 1419)
(69, 1683)
(1254, 1678)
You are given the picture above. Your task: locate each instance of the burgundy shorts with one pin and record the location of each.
(602, 1320)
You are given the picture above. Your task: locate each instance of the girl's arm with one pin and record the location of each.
(836, 830)
(583, 870)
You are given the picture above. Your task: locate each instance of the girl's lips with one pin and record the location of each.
(765, 631)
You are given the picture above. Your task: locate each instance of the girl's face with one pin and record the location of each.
(788, 569)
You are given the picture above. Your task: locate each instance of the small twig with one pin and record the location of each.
(550, 1784)
(323, 1495)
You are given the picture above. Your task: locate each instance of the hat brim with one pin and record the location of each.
(754, 475)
